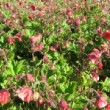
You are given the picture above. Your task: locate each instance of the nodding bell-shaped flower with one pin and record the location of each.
(101, 102)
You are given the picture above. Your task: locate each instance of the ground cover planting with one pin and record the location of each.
(54, 55)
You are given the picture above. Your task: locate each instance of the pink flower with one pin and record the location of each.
(40, 101)
(63, 105)
(46, 59)
(20, 2)
(103, 20)
(95, 77)
(85, 108)
(70, 21)
(25, 94)
(11, 40)
(84, 18)
(39, 46)
(29, 77)
(39, 36)
(44, 78)
(100, 65)
(35, 38)
(69, 12)
(93, 58)
(99, 31)
(97, 52)
(101, 102)
(18, 36)
(99, 92)
(106, 35)
(8, 5)
(4, 96)
(41, 13)
(30, 17)
(107, 107)
(13, 16)
(33, 7)
(52, 48)
(77, 22)
(7, 21)
(66, 44)
(103, 48)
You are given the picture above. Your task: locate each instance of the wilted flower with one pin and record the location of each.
(101, 102)
(4, 96)
(76, 7)
(36, 96)
(52, 66)
(51, 92)
(25, 94)
(18, 76)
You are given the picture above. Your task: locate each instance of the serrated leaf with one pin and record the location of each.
(106, 85)
(19, 66)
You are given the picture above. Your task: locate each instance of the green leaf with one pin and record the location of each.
(106, 85)
(19, 66)
(62, 87)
